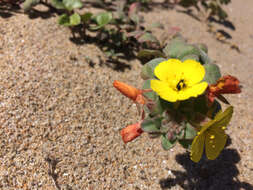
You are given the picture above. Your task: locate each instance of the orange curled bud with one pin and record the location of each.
(130, 92)
(225, 85)
(130, 132)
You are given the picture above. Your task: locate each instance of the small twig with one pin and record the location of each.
(51, 171)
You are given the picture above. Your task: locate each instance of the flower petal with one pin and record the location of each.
(193, 72)
(197, 147)
(163, 90)
(215, 142)
(167, 70)
(193, 91)
(221, 119)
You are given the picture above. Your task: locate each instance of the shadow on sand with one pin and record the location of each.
(8, 10)
(219, 174)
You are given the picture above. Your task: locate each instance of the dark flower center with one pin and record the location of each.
(181, 84)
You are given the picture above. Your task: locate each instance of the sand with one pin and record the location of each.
(60, 116)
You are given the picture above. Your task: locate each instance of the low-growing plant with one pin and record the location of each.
(180, 100)
(120, 25)
(207, 8)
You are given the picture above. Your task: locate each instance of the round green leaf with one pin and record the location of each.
(151, 125)
(150, 95)
(102, 19)
(147, 53)
(157, 108)
(64, 20)
(185, 143)
(166, 144)
(190, 131)
(173, 49)
(191, 56)
(187, 50)
(72, 4)
(202, 47)
(148, 37)
(204, 59)
(57, 4)
(148, 69)
(86, 17)
(212, 73)
(75, 19)
(28, 4)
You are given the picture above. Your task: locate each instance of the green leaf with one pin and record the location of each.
(102, 19)
(135, 18)
(221, 13)
(133, 13)
(147, 53)
(204, 59)
(151, 125)
(72, 4)
(225, 1)
(191, 56)
(147, 72)
(180, 134)
(187, 50)
(165, 127)
(148, 37)
(86, 17)
(190, 131)
(203, 47)
(64, 20)
(178, 48)
(150, 95)
(148, 69)
(200, 105)
(57, 4)
(166, 144)
(75, 19)
(185, 143)
(172, 49)
(212, 73)
(156, 108)
(67, 20)
(28, 4)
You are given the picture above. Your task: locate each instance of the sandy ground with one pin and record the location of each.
(60, 116)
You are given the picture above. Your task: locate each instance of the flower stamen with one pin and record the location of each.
(180, 85)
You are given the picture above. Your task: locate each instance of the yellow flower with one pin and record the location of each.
(179, 80)
(212, 134)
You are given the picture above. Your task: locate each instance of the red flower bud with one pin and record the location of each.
(130, 132)
(225, 85)
(130, 91)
